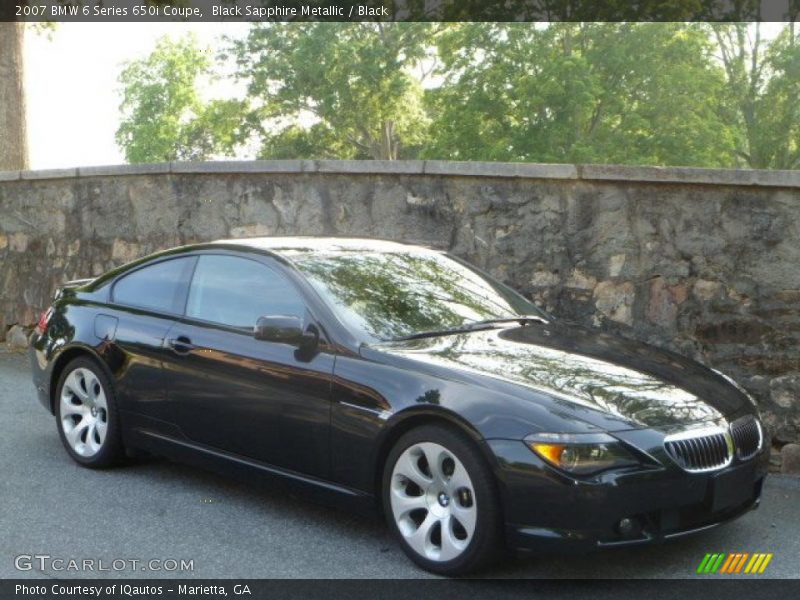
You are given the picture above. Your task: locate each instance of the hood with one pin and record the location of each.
(629, 380)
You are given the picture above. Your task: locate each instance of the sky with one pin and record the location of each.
(72, 91)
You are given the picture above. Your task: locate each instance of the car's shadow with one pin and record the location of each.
(300, 512)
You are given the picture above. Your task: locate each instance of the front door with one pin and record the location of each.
(256, 399)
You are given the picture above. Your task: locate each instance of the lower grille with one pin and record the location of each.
(700, 450)
(747, 437)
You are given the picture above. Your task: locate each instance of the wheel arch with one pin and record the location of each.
(407, 420)
(66, 356)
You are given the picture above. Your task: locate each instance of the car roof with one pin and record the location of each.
(306, 244)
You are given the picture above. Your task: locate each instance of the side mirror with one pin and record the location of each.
(280, 329)
(286, 330)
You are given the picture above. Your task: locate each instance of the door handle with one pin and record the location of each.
(181, 344)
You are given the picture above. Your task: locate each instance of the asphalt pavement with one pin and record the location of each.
(160, 511)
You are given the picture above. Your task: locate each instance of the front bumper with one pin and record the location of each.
(546, 510)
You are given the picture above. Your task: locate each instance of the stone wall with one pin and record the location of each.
(705, 262)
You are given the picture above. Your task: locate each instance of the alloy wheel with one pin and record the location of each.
(84, 412)
(433, 501)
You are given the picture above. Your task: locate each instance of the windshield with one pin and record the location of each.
(388, 295)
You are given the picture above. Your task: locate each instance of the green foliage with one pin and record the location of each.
(315, 141)
(712, 95)
(355, 81)
(585, 10)
(762, 91)
(779, 142)
(570, 92)
(163, 116)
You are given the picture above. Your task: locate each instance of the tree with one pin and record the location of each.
(13, 130)
(713, 95)
(781, 105)
(762, 90)
(582, 10)
(164, 116)
(580, 92)
(336, 90)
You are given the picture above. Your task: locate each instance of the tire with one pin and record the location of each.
(87, 416)
(457, 497)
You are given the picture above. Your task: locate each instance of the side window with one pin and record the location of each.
(160, 287)
(237, 291)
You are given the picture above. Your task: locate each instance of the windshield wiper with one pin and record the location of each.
(474, 326)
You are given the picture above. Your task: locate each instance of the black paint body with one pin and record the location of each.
(326, 421)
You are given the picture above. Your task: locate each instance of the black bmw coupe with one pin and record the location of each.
(395, 376)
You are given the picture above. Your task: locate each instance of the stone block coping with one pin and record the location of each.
(625, 173)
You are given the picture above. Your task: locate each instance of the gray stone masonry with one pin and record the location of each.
(704, 262)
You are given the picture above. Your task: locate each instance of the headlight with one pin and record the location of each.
(581, 453)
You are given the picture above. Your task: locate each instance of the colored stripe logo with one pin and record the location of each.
(734, 562)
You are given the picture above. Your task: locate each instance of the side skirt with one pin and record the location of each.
(250, 471)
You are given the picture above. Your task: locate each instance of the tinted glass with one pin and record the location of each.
(237, 291)
(160, 287)
(399, 293)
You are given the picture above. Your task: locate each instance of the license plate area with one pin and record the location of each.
(732, 488)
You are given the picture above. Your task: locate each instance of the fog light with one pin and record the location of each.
(629, 527)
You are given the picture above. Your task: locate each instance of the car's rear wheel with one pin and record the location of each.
(86, 413)
(440, 501)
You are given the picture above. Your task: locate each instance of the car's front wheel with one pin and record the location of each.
(440, 501)
(86, 414)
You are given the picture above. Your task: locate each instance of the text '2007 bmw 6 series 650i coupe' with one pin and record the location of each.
(392, 375)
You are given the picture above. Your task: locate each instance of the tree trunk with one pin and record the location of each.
(387, 146)
(13, 131)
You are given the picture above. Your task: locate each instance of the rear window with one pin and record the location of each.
(160, 287)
